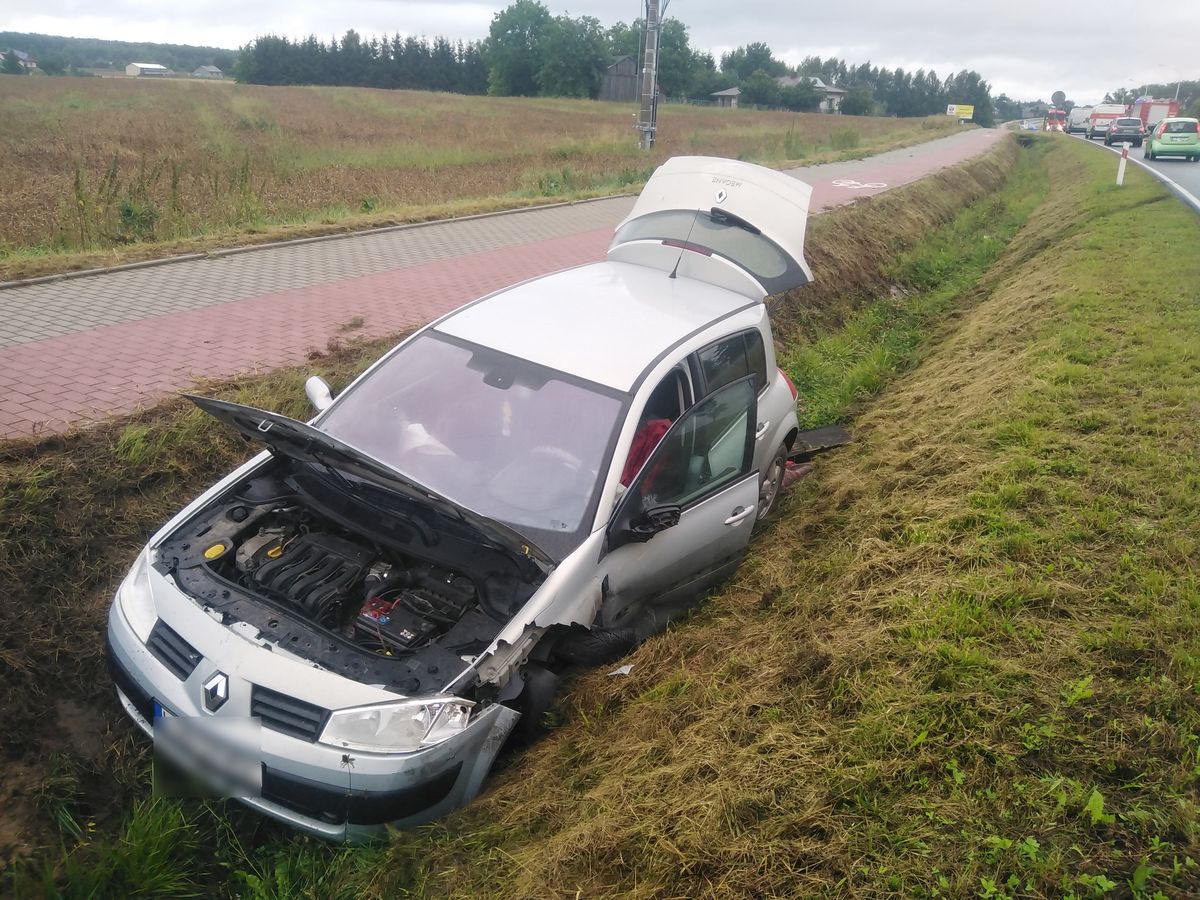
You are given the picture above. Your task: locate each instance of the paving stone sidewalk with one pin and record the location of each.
(80, 349)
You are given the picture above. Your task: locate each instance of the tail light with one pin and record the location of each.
(791, 387)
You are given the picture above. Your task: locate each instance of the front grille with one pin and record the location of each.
(172, 651)
(279, 712)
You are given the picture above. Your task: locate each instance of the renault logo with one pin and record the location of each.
(722, 195)
(215, 691)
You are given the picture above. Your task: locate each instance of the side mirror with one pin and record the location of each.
(318, 393)
(652, 521)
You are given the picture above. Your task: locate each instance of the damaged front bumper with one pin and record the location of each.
(315, 787)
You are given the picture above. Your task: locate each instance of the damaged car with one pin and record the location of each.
(540, 479)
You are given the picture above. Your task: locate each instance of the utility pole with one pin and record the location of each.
(648, 118)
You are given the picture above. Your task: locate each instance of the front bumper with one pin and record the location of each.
(311, 786)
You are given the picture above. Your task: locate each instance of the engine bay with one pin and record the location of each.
(321, 566)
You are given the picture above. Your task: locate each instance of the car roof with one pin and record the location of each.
(1179, 119)
(606, 322)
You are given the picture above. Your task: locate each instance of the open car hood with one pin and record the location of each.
(721, 221)
(300, 441)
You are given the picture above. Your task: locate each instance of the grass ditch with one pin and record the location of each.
(798, 684)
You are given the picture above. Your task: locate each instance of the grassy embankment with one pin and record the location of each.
(963, 662)
(108, 170)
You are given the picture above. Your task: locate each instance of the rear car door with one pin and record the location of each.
(685, 521)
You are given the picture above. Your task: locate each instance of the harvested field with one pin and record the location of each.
(102, 170)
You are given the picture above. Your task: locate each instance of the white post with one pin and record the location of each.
(1121, 164)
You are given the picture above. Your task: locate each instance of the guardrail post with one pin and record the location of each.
(1121, 164)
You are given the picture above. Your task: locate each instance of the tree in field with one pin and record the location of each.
(745, 61)
(677, 61)
(858, 101)
(514, 46)
(574, 57)
(11, 65)
(760, 89)
(800, 97)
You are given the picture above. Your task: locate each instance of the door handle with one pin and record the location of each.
(740, 515)
(762, 430)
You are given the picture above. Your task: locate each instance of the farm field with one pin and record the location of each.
(99, 171)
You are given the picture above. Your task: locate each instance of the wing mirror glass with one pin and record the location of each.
(318, 393)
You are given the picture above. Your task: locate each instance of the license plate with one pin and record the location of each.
(161, 711)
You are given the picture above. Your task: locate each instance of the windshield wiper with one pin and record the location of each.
(725, 217)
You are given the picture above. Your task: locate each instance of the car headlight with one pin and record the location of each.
(135, 600)
(397, 727)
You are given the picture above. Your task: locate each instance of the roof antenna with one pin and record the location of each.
(683, 246)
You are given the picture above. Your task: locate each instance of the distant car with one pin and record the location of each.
(1174, 137)
(541, 478)
(1125, 130)
(1031, 126)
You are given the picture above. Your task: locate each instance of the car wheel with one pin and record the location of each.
(772, 483)
(536, 698)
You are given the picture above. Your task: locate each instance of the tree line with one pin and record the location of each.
(56, 55)
(530, 52)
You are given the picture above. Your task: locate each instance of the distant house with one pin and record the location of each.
(620, 81)
(831, 96)
(28, 63)
(208, 72)
(728, 97)
(147, 70)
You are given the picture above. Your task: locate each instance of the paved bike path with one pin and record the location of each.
(81, 349)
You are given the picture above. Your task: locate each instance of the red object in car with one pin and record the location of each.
(643, 445)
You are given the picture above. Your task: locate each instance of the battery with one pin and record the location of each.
(389, 625)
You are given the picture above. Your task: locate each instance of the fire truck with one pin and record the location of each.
(1151, 111)
(1056, 120)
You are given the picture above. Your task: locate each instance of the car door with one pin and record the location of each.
(684, 523)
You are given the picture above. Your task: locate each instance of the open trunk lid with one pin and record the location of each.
(728, 223)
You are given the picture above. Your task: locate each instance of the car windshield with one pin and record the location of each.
(512, 440)
(1181, 127)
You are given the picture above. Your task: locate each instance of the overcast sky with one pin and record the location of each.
(1024, 48)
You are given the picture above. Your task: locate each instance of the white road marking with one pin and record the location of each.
(854, 185)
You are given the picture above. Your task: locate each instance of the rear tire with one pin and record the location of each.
(772, 484)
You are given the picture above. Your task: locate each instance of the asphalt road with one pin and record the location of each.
(1185, 175)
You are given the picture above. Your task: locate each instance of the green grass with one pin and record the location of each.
(850, 364)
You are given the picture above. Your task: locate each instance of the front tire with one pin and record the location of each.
(772, 484)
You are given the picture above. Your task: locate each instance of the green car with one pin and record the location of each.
(1174, 137)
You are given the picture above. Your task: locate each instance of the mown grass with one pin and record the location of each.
(76, 508)
(213, 165)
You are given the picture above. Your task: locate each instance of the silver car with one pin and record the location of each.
(345, 631)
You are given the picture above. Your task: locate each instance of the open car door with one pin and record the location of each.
(728, 223)
(685, 521)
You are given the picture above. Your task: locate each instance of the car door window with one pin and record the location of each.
(711, 446)
(732, 358)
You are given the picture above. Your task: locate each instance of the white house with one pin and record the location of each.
(28, 63)
(147, 70)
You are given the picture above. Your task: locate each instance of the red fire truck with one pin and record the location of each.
(1056, 120)
(1151, 111)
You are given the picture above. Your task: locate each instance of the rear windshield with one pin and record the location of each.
(1180, 128)
(1129, 121)
(743, 246)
